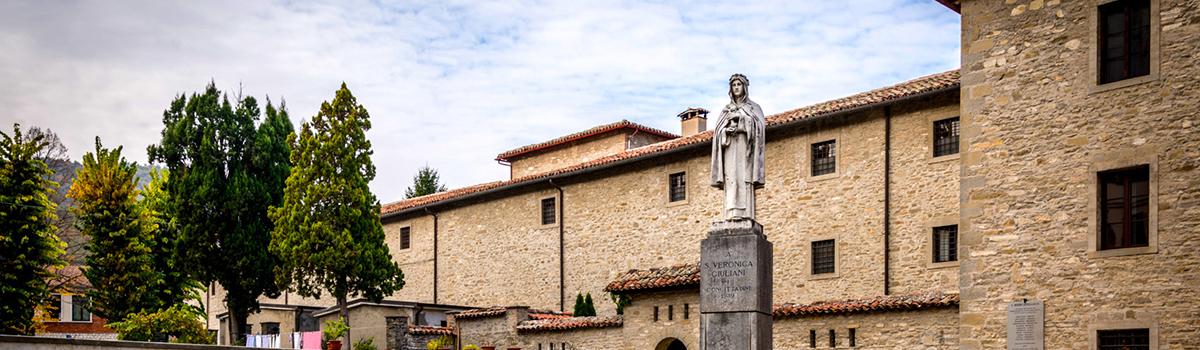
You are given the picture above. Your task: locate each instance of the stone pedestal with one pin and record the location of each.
(735, 287)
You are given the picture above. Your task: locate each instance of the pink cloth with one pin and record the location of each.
(311, 340)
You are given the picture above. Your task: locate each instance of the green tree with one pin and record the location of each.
(425, 182)
(120, 265)
(225, 174)
(580, 308)
(177, 321)
(588, 307)
(28, 247)
(327, 232)
(175, 285)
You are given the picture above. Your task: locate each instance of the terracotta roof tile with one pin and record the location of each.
(479, 313)
(548, 315)
(877, 304)
(657, 278)
(429, 330)
(570, 323)
(623, 124)
(914, 87)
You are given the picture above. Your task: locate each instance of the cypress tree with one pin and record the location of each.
(327, 231)
(426, 182)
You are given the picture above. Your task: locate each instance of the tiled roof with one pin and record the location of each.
(915, 87)
(876, 304)
(548, 315)
(72, 278)
(955, 5)
(570, 323)
(657, 278)
(429, 330)
(479, 313)
(623, 124)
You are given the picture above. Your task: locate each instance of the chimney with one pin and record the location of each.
(693, 121)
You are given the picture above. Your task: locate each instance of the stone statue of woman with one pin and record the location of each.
(737, 150)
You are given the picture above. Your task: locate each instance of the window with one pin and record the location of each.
(1124, 40)
(945, 243)
(405, 237)
(79, 311)
(670, 312)
(685, 311)
(824, 158)
(547, 211)
(1123, 339)
(851, 337)
(655, 314)
(678, 186)
(563, 346)
(832, 338)
(1124, 207)
(945, 137)
(812, 338)
(822, 257)
(270, 328)
(54, 307)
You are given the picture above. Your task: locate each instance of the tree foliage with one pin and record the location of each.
(177, 324)
(225, 174)
(327, 232)
(121, 264)
(426, 182)
(28, 247)
(175, 284)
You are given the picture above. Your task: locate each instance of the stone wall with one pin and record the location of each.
(642, 331)
(496, 331)
(1036, 129)
(368, 322)
(621, 219)
(923, 329)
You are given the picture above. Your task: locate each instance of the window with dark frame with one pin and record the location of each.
(823, 257)
(548, 211)
(945, 243)
(1124, 40)
(1124, 207)
(685, 311)
(812, 338)
(945, 137)
(678, 186)
(79, 311)
(1123, 339)
(405, 237)
(270, 328)
(851, 336)
(832, 338)
(824, 158)
(655, 314)
(671, 312)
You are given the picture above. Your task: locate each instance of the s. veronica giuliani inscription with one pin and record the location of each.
(728, 278)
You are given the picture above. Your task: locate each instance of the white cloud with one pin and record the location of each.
(451, 84)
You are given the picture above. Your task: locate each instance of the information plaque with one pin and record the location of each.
(1026, 324)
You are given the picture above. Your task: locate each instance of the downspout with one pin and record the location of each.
(887, 199)
(562, 284)
(435, 253)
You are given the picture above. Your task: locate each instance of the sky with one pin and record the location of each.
(450, 84)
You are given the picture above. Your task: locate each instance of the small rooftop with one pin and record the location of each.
(598, 130)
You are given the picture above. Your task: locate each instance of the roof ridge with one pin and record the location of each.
(595, 130)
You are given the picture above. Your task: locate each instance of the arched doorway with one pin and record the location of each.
(670, 344)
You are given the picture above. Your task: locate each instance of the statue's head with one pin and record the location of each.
(739, 88)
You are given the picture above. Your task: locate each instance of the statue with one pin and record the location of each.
(737, 150)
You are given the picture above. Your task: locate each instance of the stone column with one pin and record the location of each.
(735, 287)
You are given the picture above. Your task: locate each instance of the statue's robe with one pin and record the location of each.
(737, 159)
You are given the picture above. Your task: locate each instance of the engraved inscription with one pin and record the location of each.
(726, 279)
(1026, 326)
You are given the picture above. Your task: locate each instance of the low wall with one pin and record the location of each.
(44, 343)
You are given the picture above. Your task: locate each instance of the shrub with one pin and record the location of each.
(335, 329)
(182, 322)
(365, 344)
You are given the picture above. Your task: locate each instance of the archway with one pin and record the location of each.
(670, 344)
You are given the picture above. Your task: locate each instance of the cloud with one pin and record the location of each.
(451, 84)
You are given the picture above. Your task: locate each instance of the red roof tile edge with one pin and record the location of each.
(479, 313)
(623, 124)
(429, 330)
(571, 323)
(916, 301)
(911, 88)
(677, 276)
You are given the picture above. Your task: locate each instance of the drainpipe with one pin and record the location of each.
(887, 198)
(435, 253)
(562, 286)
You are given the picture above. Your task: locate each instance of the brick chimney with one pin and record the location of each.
(693, 121)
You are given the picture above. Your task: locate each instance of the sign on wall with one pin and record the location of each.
(1026, 325)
